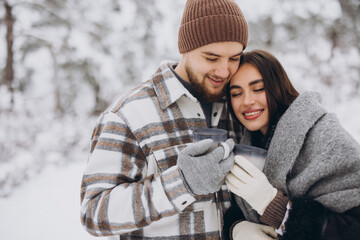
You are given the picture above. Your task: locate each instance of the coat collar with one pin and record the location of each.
(167, 87)
(289, 137)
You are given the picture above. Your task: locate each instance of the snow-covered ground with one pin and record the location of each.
(47, 207)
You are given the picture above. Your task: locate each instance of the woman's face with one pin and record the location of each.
(248, 98)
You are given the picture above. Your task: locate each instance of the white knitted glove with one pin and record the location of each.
(248, 182)
(252, 231)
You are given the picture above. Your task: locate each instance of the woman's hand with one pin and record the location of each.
(253, 231)
(248, 182)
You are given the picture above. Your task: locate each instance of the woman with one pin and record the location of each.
(310, 185)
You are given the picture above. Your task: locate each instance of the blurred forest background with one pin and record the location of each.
(62, 62)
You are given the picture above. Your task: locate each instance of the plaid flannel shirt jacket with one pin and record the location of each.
(131, 187)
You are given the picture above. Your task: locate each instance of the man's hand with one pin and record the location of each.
(203, 167)
(252, 231)
(248, 182)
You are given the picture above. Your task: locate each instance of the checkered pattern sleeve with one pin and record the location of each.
(116, 194)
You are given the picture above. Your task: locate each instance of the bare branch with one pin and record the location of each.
(41, 7)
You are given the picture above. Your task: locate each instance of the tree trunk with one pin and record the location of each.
(351, 18)
(9, 68)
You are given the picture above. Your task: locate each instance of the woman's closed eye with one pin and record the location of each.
(235, 94)
(259, 90)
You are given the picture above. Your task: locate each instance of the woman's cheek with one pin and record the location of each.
(236, 107)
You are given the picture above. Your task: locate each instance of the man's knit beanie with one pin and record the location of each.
(209, 21)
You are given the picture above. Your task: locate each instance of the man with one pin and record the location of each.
(141, 181)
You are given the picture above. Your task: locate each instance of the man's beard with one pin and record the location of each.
(200, 88)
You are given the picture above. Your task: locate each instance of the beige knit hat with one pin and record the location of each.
(209, 21)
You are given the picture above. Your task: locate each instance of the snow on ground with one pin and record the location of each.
(47, 207)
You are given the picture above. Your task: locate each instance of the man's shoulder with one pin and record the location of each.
(157, 89)
(137, 93)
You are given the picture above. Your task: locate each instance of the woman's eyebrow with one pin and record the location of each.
(250, 84)
(234, 87)
(255, 82)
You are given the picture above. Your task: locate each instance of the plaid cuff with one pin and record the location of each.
(175, 188)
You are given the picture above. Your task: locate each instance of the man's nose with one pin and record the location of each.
(222, 70)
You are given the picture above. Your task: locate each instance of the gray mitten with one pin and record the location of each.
(203, 167)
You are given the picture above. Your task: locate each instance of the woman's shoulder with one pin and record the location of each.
(302, 114)
(309, 100)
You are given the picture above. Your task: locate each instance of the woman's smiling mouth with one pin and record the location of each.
(252, 114)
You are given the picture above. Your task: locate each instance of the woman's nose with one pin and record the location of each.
(248, 99)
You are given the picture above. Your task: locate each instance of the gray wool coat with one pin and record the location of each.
(312, 156)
